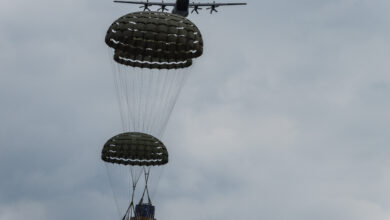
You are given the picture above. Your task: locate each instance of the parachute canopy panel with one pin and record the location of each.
(155, 40)
(136, 149)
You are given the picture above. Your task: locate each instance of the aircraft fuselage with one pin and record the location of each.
(181, 7)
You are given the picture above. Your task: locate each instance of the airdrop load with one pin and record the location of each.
(150, 56)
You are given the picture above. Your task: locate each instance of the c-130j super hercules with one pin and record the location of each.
(181, 7)
(152, 51)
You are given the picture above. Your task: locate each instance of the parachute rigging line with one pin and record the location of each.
(146, 97)
(134, 181)
(112, 190)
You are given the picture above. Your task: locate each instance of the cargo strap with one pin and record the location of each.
(146, 174)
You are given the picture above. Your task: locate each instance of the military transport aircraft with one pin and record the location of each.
(181, 6)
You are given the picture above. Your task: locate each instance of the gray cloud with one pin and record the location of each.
(285, 116)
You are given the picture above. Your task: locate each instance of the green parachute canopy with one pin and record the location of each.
(136, 149)
(154, 40)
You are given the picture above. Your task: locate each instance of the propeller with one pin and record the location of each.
(145, 6)
(212, 8)
(163, 7)
(196, 8)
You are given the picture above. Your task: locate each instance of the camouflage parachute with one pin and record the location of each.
(155, 40)
(135, 149)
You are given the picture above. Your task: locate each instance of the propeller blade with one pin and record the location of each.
(145, 6)
(163, 7)
(196, 8)
(213, 8)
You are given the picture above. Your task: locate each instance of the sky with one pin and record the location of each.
(284, 117)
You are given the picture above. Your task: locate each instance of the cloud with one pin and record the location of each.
(285, 116)
(23, 210)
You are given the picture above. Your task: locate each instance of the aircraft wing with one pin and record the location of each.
(147, 3)
(192, 5)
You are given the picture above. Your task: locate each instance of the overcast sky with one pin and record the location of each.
(284, 117)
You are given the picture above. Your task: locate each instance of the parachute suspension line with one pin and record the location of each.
(132, 80)
(134, 180)
(156, 101)
(175, 94)
(146, 97)
(134, 177)
(112, 190)
(155, 86)
(139, 98)
(115, 72)
(179, 77)
(121, 78)
(154, 106)
(145, 82)
(129, 98)
(157, 182)
(119, 85)
(163, 94)
(144, 100)
(124, 89)
(127, 90)
(148, 100)
(166, 97)
(122, 95)
(153, 93)
(132, 83)
(151, 98)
